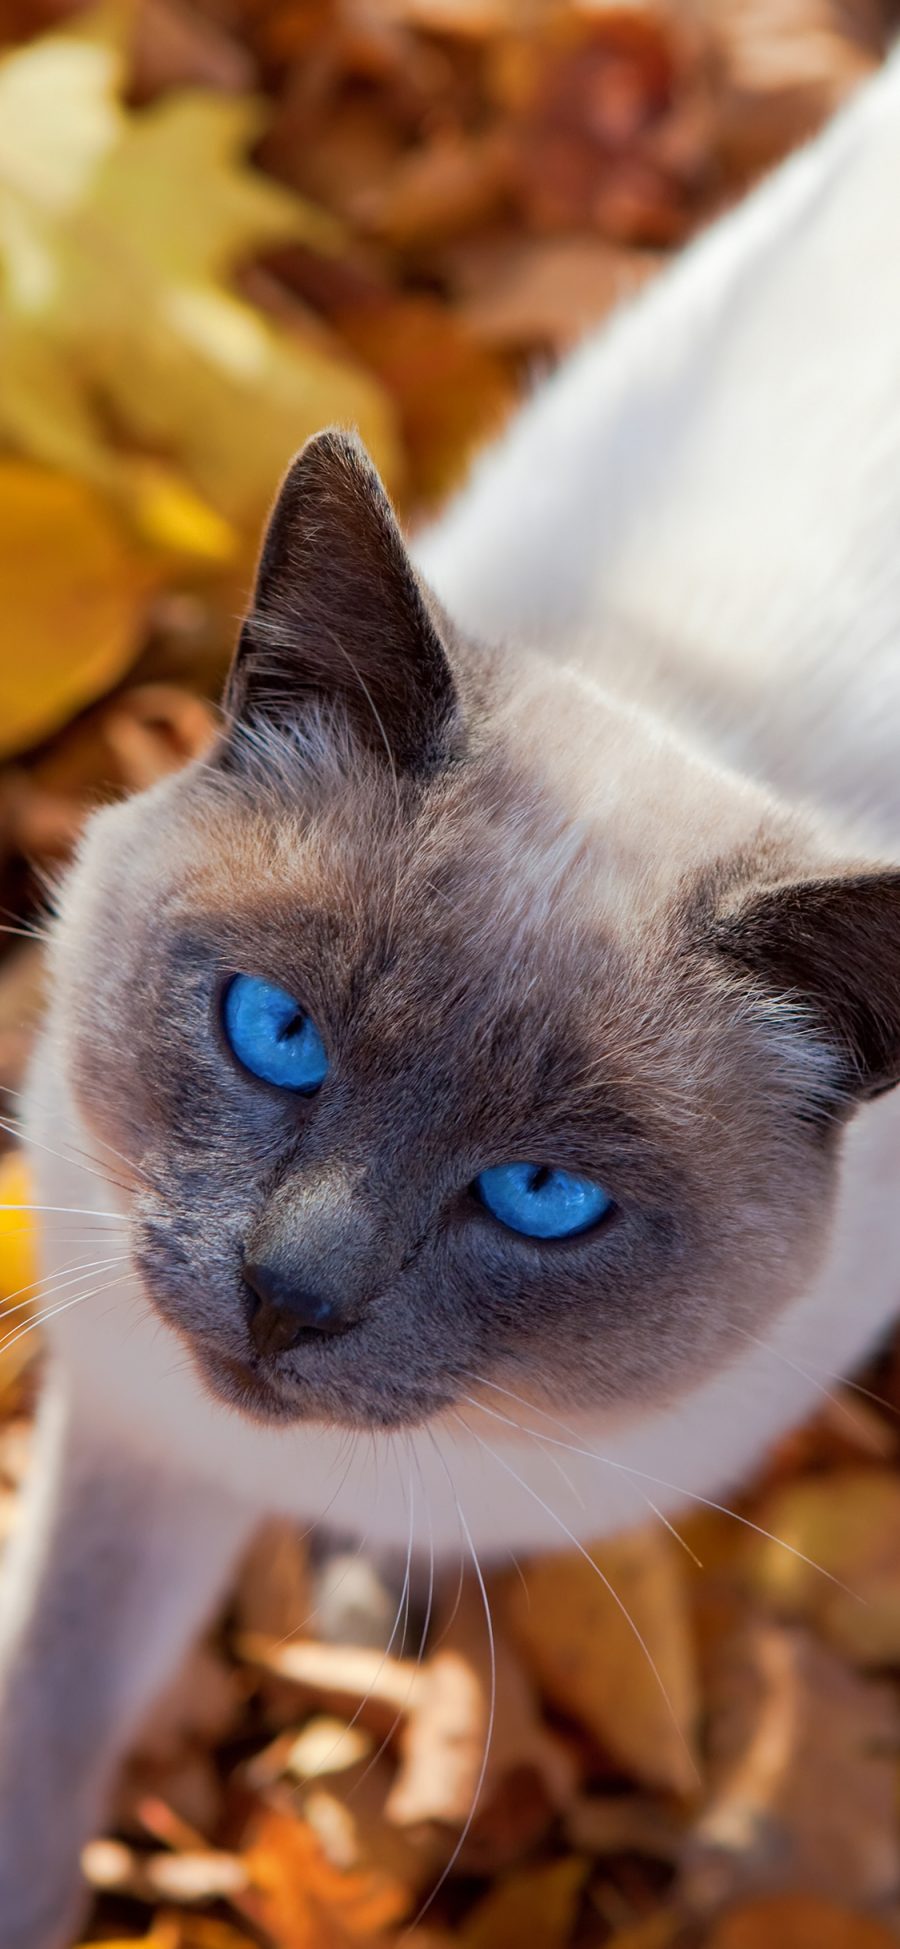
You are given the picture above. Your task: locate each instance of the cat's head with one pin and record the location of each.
(461, 1025)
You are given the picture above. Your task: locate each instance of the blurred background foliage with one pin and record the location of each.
(224, 224)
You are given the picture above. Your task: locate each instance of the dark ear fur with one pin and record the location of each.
(833, 944)
(338, 614)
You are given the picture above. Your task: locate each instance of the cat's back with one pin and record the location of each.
(703, 504)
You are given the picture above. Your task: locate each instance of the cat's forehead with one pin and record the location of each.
(484, 860)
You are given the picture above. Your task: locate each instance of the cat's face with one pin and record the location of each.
(453, 1050)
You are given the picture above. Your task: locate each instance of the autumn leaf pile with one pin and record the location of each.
(223, 224)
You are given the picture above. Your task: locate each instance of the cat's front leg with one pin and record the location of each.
(116, 1564)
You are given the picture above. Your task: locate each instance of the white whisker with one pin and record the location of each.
(449, 1866)
(43, 1319)
(55, 1280)
(617, 1600)
(72, 1211)
(644, 1475)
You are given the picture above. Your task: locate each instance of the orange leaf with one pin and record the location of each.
(306, 1902)
(799, 1922)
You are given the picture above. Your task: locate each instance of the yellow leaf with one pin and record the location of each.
(848, 1524)
(64, 86)
(538, 1907)
(171, 516)
(73, 596)
(18, 1268)
(611, 1647)
(198, 139)
(112, 305)
(17, 1250)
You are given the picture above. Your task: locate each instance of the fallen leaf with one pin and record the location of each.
(200, 1705)
(326, 1746)
(660, 1930)
(307, 1903)
(847, 1524)
(450, 392)
(786, 65)
(18, 1272)
(799, 1922)
(205, 1875)
(785, 1716)
(22, 984)
(377, 1685)
(274, 1598)
(623, 1824)
(610, 1646)
(73, 595)
(549, 291)
(538, 1907)
(164, 349)
(154, 730)
(513, 1782)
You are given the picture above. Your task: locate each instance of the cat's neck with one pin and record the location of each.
(704, 502)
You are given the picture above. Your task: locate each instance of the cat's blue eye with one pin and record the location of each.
(272, 1036)
(541, 1201)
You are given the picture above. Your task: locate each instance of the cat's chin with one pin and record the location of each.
(239, 1387)
(273, 1401)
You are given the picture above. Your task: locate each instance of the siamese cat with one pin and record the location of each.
(483, 1059)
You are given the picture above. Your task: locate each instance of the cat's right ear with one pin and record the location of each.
(340, 618)
(833, 946)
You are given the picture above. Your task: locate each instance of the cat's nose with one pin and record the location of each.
(282, 1313)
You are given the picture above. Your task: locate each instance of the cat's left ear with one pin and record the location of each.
(340, 616)
(833, 945)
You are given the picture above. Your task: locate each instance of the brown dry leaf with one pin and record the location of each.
(154, 730)
(657, 1931)
(454, 184)
(799, 1922)
(787, 64)
(848, 1524)
(274, 1596)
(175, 45)
(451, 393)
(608, 106)
(525, 1776)
(73, 596)
(547, 292)
(787, 1716)
(616, 1655)
(477, 20)
(201, 1705)
(538, 1908)
(306, 1902)
(21, 1004)
(615, 1823)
